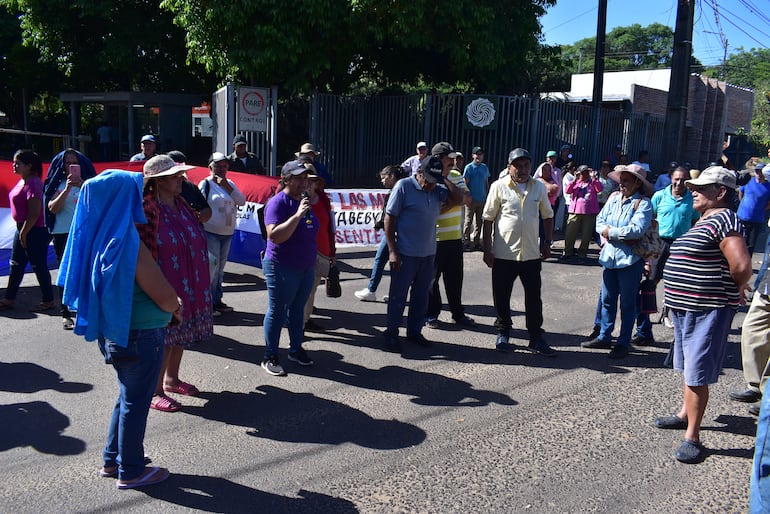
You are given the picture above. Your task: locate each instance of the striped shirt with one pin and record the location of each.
(697, 276)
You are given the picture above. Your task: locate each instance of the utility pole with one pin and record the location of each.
(676, 109)
(601, 29)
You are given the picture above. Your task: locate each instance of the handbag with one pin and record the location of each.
(647, 300)
(650, 245)
(333, 286)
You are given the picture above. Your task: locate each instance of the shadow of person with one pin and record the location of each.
(27, 377)
(214, 494)
(305, 418)
(424, 388)
(38, 425)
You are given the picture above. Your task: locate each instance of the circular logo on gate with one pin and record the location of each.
(480, 112)
(252, 103)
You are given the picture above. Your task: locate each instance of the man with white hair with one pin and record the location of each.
(412, 164)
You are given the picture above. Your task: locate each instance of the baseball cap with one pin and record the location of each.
(422, 144)
(293, 168)
(715, 175)
(443, 148)
(518, 153)
(432, 169)
(551, 153)
(217, 156)
(240, 139)
(477, 149)
(148, 137)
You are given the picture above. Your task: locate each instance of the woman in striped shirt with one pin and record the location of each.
(705, 279)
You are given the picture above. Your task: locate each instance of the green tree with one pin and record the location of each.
(626, 48)
(106, 44)
(331, 45)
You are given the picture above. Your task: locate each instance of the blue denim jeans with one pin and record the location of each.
(378, 268)
(138, 366)
(36, 254)
(623, 283)
(759, 493)
(219, 247)
(416, 273)
(287, 292)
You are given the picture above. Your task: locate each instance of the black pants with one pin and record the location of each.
(504, 274)
(449, 263)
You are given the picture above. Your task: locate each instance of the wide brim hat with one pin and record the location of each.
(307, 148)
(636, 171)
(162, 166)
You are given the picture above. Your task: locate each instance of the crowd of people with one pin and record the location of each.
(176, 242)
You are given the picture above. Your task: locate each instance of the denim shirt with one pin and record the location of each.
(625, 224)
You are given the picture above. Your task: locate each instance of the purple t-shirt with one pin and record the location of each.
(299, 251)
(20, 196)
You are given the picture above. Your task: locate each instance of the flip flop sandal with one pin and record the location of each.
(165, 404)
(68, 324)
(150, 476)
(182, 388)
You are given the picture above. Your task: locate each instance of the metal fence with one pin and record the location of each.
(359, 136)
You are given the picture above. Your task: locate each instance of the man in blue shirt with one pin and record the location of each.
(410, 229)
(752, 210)
(476, 175)
(673, 210)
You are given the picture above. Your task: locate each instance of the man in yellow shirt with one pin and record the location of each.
(512, 248)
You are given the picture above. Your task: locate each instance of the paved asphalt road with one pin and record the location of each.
(454, 428)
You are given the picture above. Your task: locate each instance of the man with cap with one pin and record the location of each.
(565, 155)
(664, 179)
(242, 160)
(149, 147)
(412, 164)
(512, 249)
(476, 175)
(308, 154)
(449, 246)
(410, 229)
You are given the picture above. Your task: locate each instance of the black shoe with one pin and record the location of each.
(273, 366)
(618, 351)
(222, 307)
(595, 332)
(419, 340)
(465, 321)
(597, 343)
(754, 409)
(300, 357)
(540, 347)
(642, 341)
(690, 452)
(745, 396)
(502, 344)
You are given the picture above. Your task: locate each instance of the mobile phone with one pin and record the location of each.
(75, 171)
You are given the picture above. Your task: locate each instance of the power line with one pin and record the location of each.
(731, 22)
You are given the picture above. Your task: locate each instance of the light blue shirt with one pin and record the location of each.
(675, 216)
(625, 224)
(417, 211)
(477, 176)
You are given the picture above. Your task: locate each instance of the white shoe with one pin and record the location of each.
(365, 295)
(385, 298)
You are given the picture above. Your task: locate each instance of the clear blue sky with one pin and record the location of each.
(743, 23)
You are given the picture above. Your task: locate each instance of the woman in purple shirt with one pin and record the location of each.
(583, 208)
(30, 244)
(289, 265)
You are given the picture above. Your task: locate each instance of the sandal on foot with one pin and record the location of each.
(690, 452)
(42, 307)
(164, 403)
(182, 388)
(671, 422)
(67, 323)
(150, 476)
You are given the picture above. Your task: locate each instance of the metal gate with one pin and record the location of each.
(359, 136)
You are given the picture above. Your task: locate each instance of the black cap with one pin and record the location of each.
(443, 148)
(432, 169)
(477, 149)
(239, 140)
(518, 153)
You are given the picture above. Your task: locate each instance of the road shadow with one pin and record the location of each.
(305, 418)
(229, 348)
(38, 425)
(27, 377)
(214, 494)
(424, 388)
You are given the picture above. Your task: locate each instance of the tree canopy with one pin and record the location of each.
(626, 48)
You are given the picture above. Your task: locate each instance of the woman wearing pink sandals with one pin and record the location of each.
(178, 242)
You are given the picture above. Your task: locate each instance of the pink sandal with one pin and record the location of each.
(163, 403)
(182, 388)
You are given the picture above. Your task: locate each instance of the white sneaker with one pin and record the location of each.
(365, 295)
